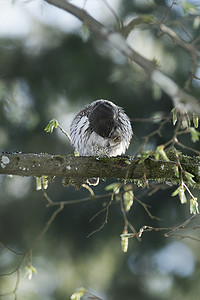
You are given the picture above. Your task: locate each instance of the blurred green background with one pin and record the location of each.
(49, 70)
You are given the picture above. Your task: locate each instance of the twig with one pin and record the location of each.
(51, 203)
(148, 212)
(10, 250)
(127, 223)
(34, 244)
(105, 209)
(113, 12)
(63, 131)
(69, 202)
(180, 226)
(186, 237)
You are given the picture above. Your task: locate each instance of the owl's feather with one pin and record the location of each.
(101, 129)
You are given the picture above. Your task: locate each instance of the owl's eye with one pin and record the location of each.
(117, 139)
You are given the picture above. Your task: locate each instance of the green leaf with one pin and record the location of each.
(176, 192)
(124, 241)
(194, 206)
(194, 134)
(195, 120)
(45, 182)
(38, 183)
(52, 124)
(186, 121)
(189, 8)
(161, 153)
(180, 191)
(115, 187)
(78, 294)
(174, 116)
(128, 197)
(189, 177)
(176, 170)
(144, 155)
(182, 196)
(76, 153)
(30, 270)
(85, 32)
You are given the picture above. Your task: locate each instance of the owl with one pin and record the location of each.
(101, 129)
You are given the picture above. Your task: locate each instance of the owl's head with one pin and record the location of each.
(102, 117)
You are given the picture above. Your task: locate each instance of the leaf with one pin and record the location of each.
(38, 183)
(78, 294)
(144, 155)
(182, 196)
(176, 170)
(195, 120)
(176, 192)
(189, 8)
(124, 244)
(180, 191)
(30, 270)
(52, 124)
(115, 187)
(45, 182)
(194, 206)
(85, 32)
(128, 197)
(160, 152)
(189, 177)
(194, 134)
(124, 241)
(174, 116)
(76, 153)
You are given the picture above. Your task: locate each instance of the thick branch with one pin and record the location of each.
(114, 38)
(182, 101)
(72, 167)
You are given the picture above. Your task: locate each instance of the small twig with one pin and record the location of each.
(69, 202)
(50, 202)
(186, 147)
(150, 228)
(157, 131)
(167, 12)
(63, 131)
(10, 250)
(105, 209)
(155, 189)
(186, 237)
(150, 120)
(127, 223)
(148, 212)
(34, 244)
(113, 12)
(180, 226)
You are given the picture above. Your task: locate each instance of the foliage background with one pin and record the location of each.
(53, 72)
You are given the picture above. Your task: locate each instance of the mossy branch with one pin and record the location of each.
(72, 167)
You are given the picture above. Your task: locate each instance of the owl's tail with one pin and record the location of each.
(93, 181)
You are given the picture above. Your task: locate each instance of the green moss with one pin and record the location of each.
(60, 158)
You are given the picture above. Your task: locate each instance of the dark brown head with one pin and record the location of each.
(102, 118)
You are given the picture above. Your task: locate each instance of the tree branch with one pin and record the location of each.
(114, 38)
(72, 167)
(182, 101)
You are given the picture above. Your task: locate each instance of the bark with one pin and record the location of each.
(71, 167)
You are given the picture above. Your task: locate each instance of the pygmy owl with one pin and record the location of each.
(101, 129)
